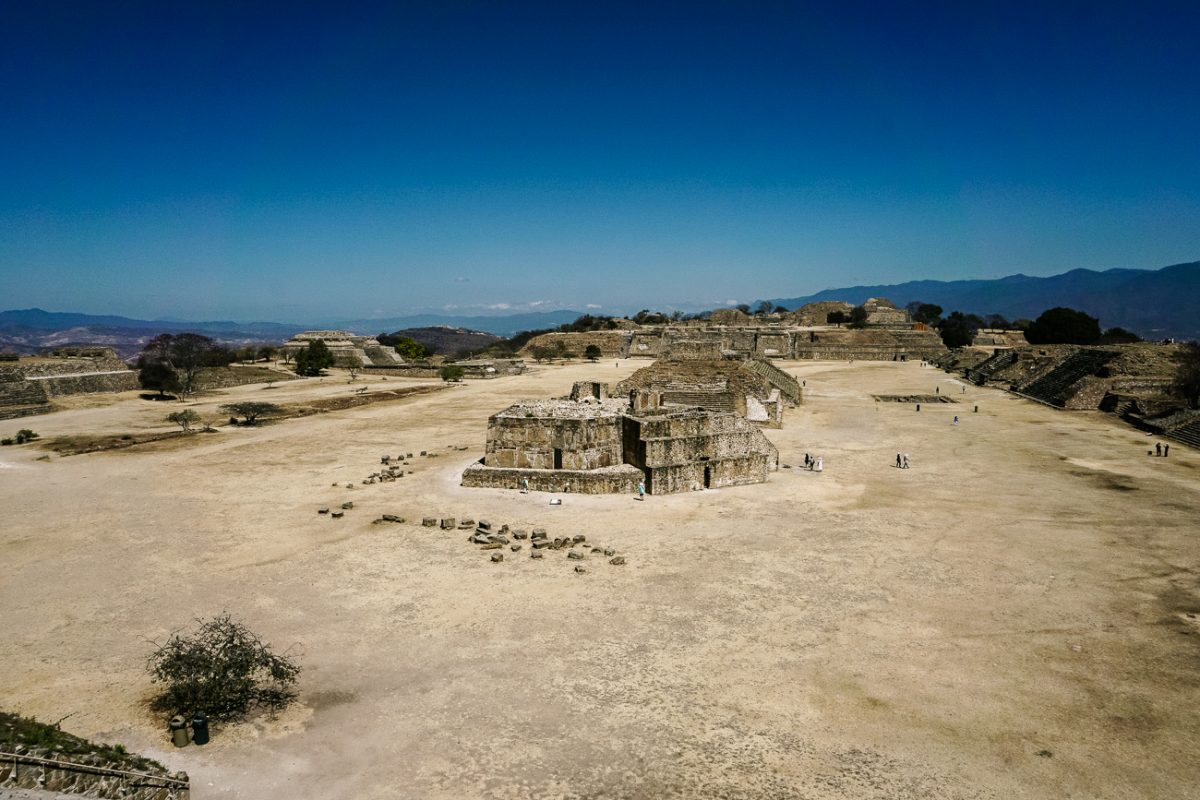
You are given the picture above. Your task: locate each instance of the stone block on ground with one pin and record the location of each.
(497, 557)
(429, 522)
(536, 554)
(617, 561)
(323, 510)
(575, 554)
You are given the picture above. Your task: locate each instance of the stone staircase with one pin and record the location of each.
(981, 373)
(1187, 433)
(787, 385)
(696, 397)
(1057, 386)
(20, 397)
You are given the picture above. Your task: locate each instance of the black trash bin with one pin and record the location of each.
(200, 728)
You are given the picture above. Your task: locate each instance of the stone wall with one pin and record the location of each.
(684, 342)
(529, 439)
(90, 776)
(620, 479)
(716, 385)
(612, 344)
(27, 387)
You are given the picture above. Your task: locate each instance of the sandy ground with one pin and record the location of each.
(1012, 617)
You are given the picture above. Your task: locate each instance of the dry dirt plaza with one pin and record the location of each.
(1017, 615)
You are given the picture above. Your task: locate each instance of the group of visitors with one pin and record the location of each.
(901, 461)
(1161, 449)
(814, 464)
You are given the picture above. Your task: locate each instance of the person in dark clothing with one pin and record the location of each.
(1158, 448)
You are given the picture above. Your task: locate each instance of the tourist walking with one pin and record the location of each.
(905, 463)
(956, 419)
(1166, 450)
(898, 461)
(1158, 448)
(641, 490)
(820, 464)
(524, 485)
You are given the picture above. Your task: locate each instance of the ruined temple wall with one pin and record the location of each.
(621, 479)
(645, 344)
(738, 471)
(529, 443)
(89, 384)
(773, 345)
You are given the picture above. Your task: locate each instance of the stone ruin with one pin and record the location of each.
(595, 444)
(757, 390)
(730, 334)
(346, 347)
(29, 386)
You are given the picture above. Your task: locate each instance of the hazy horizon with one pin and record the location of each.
(285, 163)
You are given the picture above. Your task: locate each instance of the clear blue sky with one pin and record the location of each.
(213, 160)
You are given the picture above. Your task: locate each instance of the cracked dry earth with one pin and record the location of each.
(1014, 616)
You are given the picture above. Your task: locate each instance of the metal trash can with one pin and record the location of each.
(179, 731)
(200, 728)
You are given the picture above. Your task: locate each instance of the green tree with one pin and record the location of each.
(222, 669)
(541, 353)
(407, 348)
(858, 317)
(452, 372)
(251, 412)
(184, 419)
(836, 317)
(763, 308)
(958, 329)
(158, 376)
(313, 358)
(1064, 326)
(592, 352)
(928, 313)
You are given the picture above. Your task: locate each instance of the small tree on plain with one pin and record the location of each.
(184, 419)
(251, 412)
(223, 669)
(541, 353)
(858, 317)
(452, 372)
(592, 352)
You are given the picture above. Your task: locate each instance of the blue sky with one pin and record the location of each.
(302, 161)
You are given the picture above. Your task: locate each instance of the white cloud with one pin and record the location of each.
(461, 279)
(592, 305)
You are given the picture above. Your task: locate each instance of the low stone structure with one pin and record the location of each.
(763, 340)
(882, 313)
(999, 337)
(346, 347)
(817, 314)
(594, 444)
(29, 386)
(482, 369)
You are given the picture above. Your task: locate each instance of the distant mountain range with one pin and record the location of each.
(1152, 303)
(30, 330)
